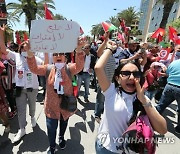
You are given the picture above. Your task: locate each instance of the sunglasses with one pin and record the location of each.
(127, 74)
(58, 54)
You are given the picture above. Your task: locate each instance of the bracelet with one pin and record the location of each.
(110, 49)
(148, 104)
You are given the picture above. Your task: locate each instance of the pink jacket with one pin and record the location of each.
(52, 100)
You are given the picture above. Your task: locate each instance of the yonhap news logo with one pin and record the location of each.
(103, 140)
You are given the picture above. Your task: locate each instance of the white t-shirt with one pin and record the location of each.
(118, 109)
(23, 76)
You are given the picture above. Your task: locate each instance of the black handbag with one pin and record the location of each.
(68, 103)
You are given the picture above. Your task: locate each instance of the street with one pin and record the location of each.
(80, 134)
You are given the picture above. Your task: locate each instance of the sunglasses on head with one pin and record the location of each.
(136, 74)
(58, 54)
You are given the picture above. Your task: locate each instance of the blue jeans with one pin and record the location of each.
(169, 94)
(86, 78)
(99, 106)
(52, 125)
(150, 94)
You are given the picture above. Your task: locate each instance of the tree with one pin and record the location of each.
(12, 19)
(168, 4)
(59, 17)
(30, 8)
(175, 24)
(97, 30)
(129, 15)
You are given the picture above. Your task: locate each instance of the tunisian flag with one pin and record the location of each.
(172, 34)
(48, 14)
(164, 53)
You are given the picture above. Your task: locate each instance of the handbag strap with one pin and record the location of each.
(67, 69)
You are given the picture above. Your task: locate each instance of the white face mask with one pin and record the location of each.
(59, 65)
(24, 54)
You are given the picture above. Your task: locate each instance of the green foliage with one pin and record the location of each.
(129, 15)
(30, 8)
(175, 24)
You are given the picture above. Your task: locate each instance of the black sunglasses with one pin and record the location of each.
(136, 74)
(58, 54)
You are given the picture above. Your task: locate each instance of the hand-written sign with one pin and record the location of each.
(54, 36)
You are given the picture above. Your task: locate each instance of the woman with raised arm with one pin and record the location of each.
(118, 105)
(53, 97)
(26, 85)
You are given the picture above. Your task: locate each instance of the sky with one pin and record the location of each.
(86, 12)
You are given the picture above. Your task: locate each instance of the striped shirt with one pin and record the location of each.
(110, 68)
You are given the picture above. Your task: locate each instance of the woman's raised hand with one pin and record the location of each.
(27, 48)
(112, 45)
(140, 91)
(81, 42)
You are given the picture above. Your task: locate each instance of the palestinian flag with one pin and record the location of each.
(108, 27)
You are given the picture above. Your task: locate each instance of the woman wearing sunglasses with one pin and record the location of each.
(57, 84)
(118, 105)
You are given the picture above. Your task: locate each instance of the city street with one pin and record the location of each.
(80, 134)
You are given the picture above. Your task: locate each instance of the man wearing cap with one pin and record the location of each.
(133, 53)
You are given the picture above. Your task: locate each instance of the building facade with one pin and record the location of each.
(151, 17)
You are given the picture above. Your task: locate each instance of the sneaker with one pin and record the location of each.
(7, 129)
(33, 122)
(177, 130)
(19, 135)
(51, 151)
(62, 143)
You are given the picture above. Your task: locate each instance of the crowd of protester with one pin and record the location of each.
(119, 72)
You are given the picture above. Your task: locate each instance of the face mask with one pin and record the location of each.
(59, 65)
(178, 53)
(24, 54)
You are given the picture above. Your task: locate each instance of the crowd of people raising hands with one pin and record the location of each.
(122, 74)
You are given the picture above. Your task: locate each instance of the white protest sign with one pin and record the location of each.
(54, 36)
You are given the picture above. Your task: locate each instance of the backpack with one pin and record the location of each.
(73, 78)
(139, 136)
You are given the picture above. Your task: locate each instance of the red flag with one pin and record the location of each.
(172, 34)
(178, 41)
(18, 40)
(81, 31)
(160, 31)
(121, 37)
(160, 38)
(25, 36)
(122, 24)
(164, 53)
(48, 14)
